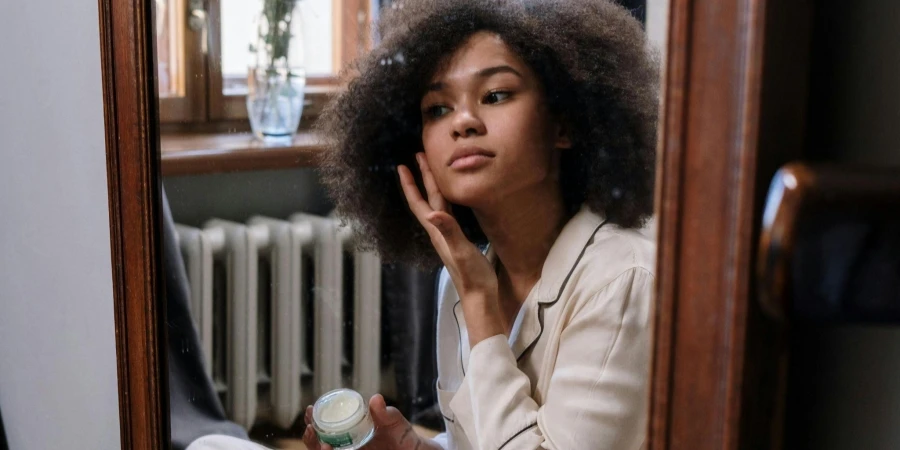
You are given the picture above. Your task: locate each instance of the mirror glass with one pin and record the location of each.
(496, 289)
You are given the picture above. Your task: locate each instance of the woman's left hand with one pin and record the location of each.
(471, 272)
(392, 430)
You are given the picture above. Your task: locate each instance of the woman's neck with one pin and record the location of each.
(521, 231)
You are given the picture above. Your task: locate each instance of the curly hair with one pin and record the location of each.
(598, 76)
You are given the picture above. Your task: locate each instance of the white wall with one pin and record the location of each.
(57, 346)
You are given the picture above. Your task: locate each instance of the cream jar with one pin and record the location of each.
(341, 419)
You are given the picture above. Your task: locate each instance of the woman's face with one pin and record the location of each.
(487, 133)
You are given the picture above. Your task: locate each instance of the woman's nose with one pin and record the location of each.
(466, 124)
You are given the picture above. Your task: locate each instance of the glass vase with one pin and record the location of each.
(276, 76)
(275, 103)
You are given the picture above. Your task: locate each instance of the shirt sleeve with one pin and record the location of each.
(598, 391)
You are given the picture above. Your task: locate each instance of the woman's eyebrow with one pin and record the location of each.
(483, 73)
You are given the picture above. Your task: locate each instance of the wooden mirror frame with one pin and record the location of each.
(735, 102)
(132, 163)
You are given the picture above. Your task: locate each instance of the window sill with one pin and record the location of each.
(193, 153)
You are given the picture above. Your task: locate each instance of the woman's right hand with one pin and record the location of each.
(392, 430)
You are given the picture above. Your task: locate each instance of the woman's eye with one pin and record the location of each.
(436, 111)
(496, 96)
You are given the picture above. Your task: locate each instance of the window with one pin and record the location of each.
(203, 55)
(168, 37)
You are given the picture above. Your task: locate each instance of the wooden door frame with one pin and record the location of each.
(730, 93)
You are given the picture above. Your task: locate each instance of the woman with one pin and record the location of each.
(522, 135)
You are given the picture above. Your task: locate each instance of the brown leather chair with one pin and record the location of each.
(830, 245)
(829, 264)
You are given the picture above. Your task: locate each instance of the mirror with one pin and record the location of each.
(303, 241)
(739, 84)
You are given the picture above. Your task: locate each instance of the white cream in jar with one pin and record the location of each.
(341, 419)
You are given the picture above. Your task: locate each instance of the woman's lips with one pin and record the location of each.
(470, 158)
(471, 162)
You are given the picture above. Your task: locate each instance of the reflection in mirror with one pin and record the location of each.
(459, 229)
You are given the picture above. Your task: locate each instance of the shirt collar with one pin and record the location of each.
(561, 261)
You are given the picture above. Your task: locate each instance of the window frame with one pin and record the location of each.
(191, 106)
(205, 108)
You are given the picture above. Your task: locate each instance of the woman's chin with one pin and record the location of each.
(471, 197)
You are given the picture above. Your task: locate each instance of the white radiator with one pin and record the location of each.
(234, 353)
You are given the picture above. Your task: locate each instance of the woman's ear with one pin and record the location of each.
(563, 135)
